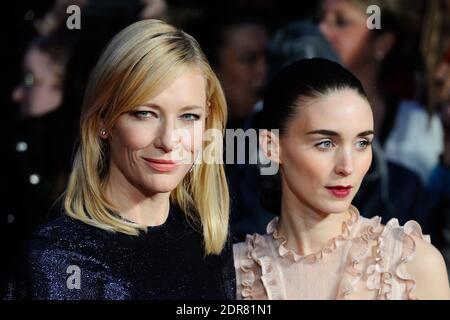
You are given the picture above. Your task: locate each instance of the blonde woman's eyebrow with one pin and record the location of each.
(193, 107)
(156, 106)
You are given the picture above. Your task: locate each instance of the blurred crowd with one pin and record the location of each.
(404, 66)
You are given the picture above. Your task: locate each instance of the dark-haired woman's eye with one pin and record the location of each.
(325, 145)
(363, 144)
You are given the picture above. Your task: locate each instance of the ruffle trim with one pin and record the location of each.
(257, 265)
(256, 262)
(380, 275)
(360, 249)
(332, 244)
(388, 273)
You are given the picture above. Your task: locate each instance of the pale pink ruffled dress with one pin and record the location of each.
(365, 262)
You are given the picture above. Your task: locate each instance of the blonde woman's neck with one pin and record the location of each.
(133, 204)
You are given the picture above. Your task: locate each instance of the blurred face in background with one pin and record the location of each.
(40, 91)
(326, 151)
(344, 25)
(153, 9)
(242, 67)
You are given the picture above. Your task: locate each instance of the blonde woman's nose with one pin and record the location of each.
(168, 137)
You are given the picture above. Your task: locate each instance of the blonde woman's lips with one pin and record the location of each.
(161, 165)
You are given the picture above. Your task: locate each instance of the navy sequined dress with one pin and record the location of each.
(68, 259)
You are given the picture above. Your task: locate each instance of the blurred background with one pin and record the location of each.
(404, 67)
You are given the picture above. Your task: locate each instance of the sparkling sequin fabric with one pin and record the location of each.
(68, 259)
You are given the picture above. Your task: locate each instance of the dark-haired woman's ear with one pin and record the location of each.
(269, 142)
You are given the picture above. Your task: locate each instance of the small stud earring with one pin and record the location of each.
(103, 132)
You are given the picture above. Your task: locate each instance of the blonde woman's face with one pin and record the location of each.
(154, 146)
(326, 151)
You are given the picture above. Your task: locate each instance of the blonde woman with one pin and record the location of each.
(146, 218)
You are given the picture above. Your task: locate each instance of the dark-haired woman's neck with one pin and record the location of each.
(307, 229)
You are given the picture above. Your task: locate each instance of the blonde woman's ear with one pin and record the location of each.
(269, 142)
(103, 130)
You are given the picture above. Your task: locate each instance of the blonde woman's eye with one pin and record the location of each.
(190, 116)
(325, 145)
(141, 114)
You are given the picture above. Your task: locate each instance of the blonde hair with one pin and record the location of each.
(139, 62)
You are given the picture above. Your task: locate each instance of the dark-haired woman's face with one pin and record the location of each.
(326, 151)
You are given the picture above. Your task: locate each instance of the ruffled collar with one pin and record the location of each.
(332, 244)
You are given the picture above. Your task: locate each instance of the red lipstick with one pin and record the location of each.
(340, 191)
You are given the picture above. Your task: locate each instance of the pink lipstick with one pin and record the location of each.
(161, 165)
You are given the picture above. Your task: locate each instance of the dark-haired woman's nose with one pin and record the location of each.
(344, 164)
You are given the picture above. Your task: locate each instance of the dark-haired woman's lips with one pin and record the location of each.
(340, 191)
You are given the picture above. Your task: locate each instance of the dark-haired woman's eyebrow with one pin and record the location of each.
(323, 132)
(334, 133)
(365, 133)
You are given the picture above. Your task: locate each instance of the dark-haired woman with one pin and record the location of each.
(320, 247)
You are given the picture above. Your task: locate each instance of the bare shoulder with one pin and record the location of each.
(427, 268)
